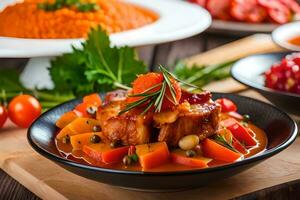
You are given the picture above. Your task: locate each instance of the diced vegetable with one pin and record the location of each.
(235, 115)
(179, 157)
(81, 110)
(238, 146)
(227, 105)
(239, 132)
(65, 119)
(104, 153)
(216, 151)
(188, 142)
(231, 140)
(153, 154)
(78, 126)
(92, 99)
(78, 141)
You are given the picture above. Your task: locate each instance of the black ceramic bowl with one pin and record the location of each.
(249, 71)
(280, 128)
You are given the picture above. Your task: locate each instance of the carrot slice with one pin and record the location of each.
(80, 109)
(153, 154)
(92, 99)
(65, 119)
(179, 157)
(104, 153)
(78, 141)
(216, 151)
(78, 126)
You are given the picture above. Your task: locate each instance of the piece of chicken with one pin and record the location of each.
(131, 128)
(198, 119)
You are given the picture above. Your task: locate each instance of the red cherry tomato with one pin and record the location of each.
(23, 110)
(227, 105)
(3, 116)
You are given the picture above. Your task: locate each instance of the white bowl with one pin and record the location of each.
(178, 20)
(284, 33)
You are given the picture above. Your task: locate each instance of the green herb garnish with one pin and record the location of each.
(155, 99)
(58, 4)
(202, 75)
(97, 67)
(220, 139)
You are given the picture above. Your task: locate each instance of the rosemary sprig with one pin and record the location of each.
(222, 141)
(155, 99)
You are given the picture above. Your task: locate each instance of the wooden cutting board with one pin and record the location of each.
(49, 181)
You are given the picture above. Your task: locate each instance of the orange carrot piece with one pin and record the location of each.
(78, 141)
(179, 157)
(65, 119)
(104, 153)
(92, 99)
(216, 151)
(78, 126)
(153, 154)
(80, 109)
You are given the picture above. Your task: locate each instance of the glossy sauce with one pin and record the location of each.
(295, 41)
(79, 156)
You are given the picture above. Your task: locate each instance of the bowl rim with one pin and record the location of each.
(261, 156)
(255, 85)
(281, 43)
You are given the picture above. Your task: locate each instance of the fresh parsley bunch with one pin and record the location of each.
(96, 67)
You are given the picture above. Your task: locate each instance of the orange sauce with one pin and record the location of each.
(295, 41)
(79, 156)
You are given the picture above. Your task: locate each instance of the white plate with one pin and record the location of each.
(177, 20)
(286, 32)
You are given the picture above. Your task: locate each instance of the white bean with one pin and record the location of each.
(188, 142)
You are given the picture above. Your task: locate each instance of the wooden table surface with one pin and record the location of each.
(165, 54)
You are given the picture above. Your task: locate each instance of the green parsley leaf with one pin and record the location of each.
(97, 67)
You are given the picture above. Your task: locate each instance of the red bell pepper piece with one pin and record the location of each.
(239, 132)
(227, 105)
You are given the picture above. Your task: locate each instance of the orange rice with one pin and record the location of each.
(25, 20)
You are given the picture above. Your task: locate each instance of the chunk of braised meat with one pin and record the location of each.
(116, 95)
(198, 119)
(131, 128)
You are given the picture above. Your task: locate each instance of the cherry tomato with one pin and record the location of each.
(227, 105)
(152, 80)
(3, 116)
(23, 110)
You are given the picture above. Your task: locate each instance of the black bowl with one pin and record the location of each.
(280, 128)
(249, 71)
